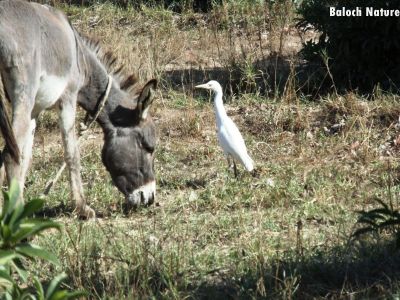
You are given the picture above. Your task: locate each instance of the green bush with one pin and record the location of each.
(363, 51)
(17, 227)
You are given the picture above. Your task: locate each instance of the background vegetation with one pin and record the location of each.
(363, 51)
(175, 5)
(287, 233)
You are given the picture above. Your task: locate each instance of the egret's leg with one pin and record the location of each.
(228, 159)
(235, 169)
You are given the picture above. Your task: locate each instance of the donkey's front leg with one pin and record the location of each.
(67, 110)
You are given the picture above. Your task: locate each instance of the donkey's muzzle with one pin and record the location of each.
(144, 195)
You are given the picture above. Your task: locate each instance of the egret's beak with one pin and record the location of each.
(201, 86)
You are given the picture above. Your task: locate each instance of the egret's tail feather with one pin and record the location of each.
(249, 166)
(248, 163)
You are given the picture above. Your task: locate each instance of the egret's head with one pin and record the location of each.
(211, 85)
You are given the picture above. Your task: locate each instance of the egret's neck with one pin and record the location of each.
(219, 108)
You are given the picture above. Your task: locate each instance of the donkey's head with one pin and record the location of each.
(128, 152)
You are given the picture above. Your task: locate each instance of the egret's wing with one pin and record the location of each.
(230, 137)
(232, 143)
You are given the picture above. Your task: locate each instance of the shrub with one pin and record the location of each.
(363, 51)
(381, 218)
(17, 226)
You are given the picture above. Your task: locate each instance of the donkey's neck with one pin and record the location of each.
(95, 83)
(94, 89)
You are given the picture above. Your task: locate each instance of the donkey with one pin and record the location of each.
(45, 63)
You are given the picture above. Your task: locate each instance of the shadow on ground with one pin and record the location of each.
(360, 270)
(122, 209)
(275, 75)
(56, 211)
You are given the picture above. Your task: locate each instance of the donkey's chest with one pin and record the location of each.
(50, 90)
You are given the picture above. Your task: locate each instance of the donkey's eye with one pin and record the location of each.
(148, 148)
(148, 144)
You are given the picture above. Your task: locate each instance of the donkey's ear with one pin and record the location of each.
(146, 98)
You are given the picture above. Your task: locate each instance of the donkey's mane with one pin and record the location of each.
(127, 83)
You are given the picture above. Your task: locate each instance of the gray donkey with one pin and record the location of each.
(44, 63)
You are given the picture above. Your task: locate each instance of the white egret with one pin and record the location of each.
(229, 136)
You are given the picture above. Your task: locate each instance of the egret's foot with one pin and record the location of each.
(255, 173)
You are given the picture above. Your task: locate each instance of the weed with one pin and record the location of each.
(17, 225)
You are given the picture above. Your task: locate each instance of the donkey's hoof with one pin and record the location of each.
(89, 213)
(86, 213)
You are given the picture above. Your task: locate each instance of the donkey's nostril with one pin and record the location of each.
(144, 195)
(142, 198)
(151, 199)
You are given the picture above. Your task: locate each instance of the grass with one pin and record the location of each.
(283, 234)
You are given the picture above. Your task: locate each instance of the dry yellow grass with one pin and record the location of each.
(213, 236)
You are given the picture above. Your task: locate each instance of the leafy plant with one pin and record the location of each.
(383, 218)
(17, 226)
